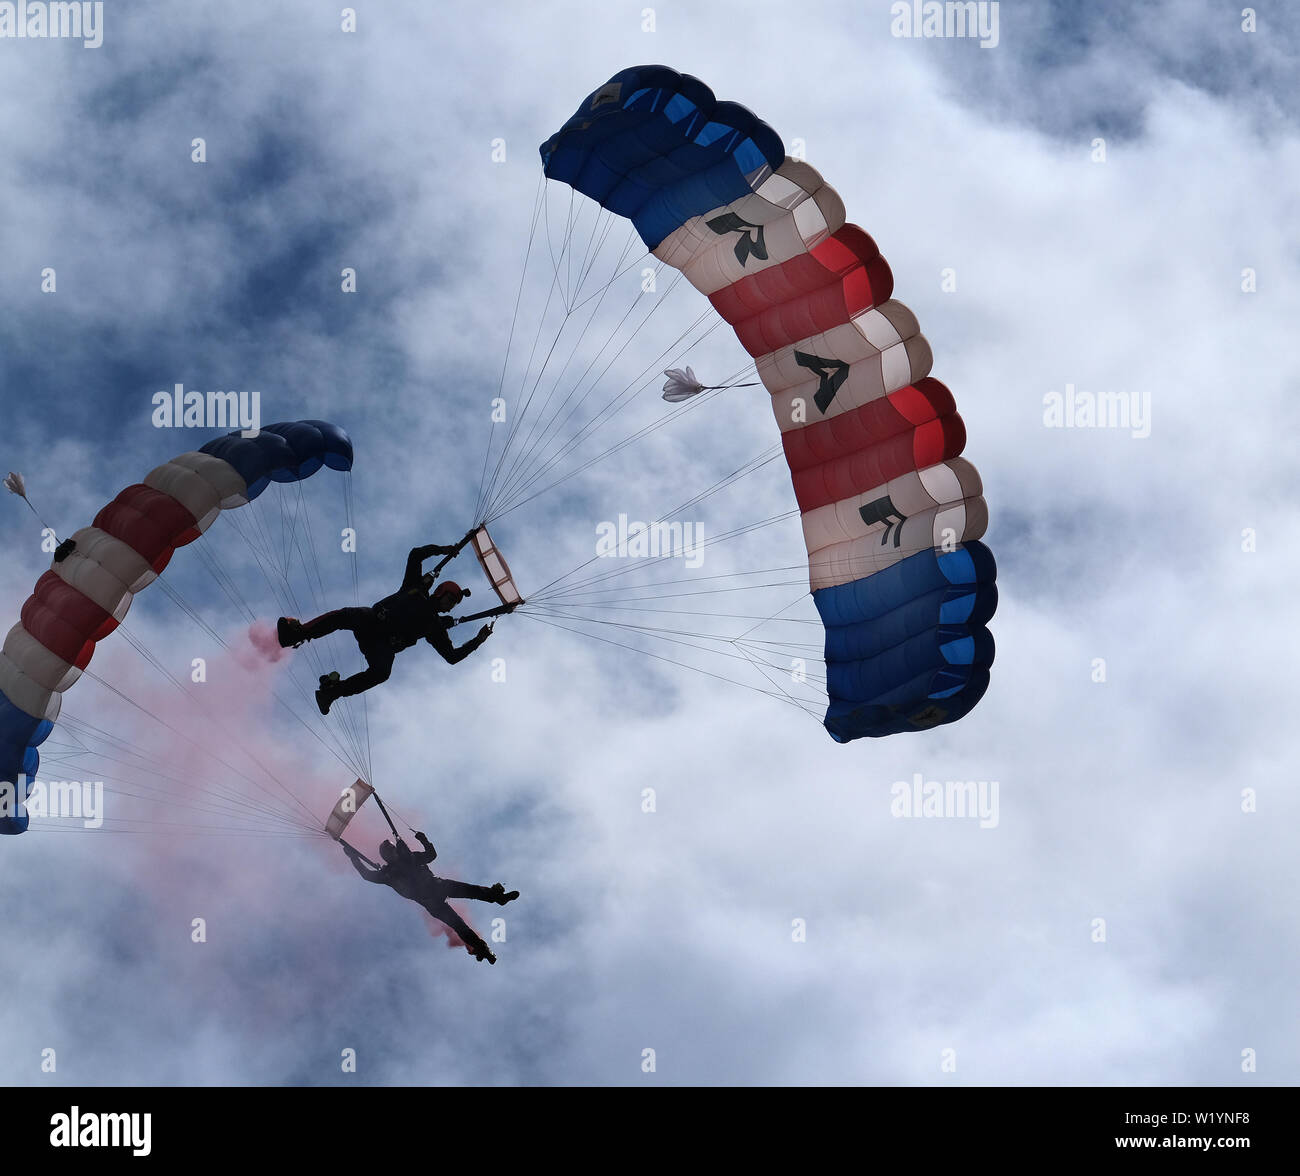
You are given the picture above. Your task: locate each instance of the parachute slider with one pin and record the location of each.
(353, 797)
(497, 571)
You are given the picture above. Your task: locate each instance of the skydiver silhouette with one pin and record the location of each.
(408, 873)
(416, 611)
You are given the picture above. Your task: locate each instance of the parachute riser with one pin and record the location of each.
(499, 611)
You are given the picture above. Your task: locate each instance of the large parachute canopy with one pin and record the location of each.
(892, 514)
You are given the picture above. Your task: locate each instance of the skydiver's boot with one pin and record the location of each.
(481, 952)
(501, 896)
(328, 691)
(290, 632)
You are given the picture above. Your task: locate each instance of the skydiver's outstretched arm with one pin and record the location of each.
(427, 854)
(415, 561)
(499, 610)
(452, 654)
(355, 858)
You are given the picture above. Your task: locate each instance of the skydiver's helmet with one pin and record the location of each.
(394, 853)
(448, 595)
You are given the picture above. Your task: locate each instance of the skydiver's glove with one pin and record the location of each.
(423, 840)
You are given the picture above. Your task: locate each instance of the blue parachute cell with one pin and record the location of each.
(285, 452)
(657, 147)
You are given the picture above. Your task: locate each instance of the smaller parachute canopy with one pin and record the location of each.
(15, 485)
(354, 796)
(495, 568)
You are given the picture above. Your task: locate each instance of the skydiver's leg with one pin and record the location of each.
(379, 665)
(353, 619)
(471, 938)
(454, 889)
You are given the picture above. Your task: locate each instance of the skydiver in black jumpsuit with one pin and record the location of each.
(408, 873)
(397, 622)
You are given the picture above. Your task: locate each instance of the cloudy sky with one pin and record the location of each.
(1112, 187)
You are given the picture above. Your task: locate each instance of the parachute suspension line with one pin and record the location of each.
(780, 697)
(759, 620)
(258, 545)
(484, 511)
(155, 827)
(217, 803)
(763, 666)
(755, 657)
(767, 671)
(650, 584)
(725, 536)
(603, 222)
(180, 734)
(144, 652)
(510, 339)
(523, 413)
(349, 520)
(503, 503)
(740, 472)
(529, 445)
(236, 598)
(541, 322)
(673, 636)
(347, 743)
(596, 239)
(607, 612)
(631, 390)
(564, 244)
(525, 478)
(332, 741)
(316, 584)
(616, 405)
(519, 464)
(618, 446)
(355, 726)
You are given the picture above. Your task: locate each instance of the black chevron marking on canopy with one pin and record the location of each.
(751, 243)
(832, 373)
(882, 510)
